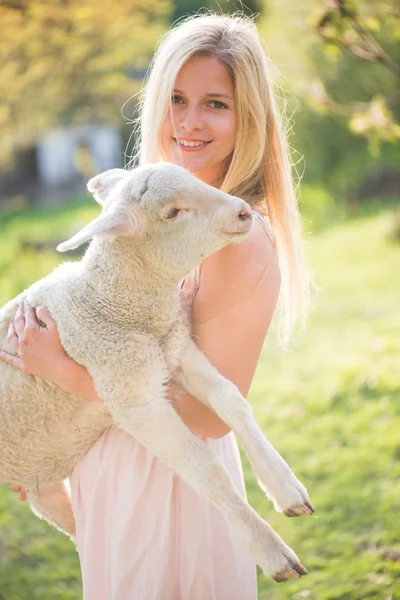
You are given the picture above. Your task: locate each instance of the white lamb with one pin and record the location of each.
(118, 313)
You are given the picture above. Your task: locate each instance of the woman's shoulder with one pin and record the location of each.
(239, 267)
(258, 247)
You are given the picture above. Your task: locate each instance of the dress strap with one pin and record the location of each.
(267, 226)
(197, 275)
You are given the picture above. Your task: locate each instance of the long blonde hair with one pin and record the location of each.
(259, 170)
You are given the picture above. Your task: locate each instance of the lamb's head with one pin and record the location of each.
(171, 218)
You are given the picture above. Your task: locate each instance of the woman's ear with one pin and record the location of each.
(101, 185)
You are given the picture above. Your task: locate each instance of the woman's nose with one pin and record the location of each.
(191, 119)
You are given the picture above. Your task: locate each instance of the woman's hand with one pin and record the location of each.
(22, 493)
(34, 337)
(37, 344)
(40, 353)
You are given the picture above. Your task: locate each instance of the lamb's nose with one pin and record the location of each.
(245, 214)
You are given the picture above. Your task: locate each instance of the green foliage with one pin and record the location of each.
(331, 407)
(344, 108)
(333, 157)
(182, 8)
(318, 208)
(20, 263)
(36, 561)
(362, 35)
(68, 62)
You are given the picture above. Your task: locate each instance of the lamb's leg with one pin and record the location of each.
(156, 425)
(53, 503)
(203, 381)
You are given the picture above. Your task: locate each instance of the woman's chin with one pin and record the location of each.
(200, 170)
(207, 171)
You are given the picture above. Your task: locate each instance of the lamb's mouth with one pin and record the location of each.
(236, 234)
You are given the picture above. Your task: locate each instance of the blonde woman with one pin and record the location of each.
(142, 533)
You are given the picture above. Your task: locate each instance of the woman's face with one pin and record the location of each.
(204, 115)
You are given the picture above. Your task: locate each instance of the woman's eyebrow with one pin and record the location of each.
(209, 95)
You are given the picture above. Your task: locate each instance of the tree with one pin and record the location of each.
(69, 61)
(182, 8)
(341, 57)
(313, 70)
(355, 28)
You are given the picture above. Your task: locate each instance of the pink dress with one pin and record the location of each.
(144, 534)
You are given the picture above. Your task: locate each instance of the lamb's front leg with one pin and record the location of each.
(203, 381)
(150, 418)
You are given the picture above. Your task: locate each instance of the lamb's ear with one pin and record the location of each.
(111, 223)
(101, 185)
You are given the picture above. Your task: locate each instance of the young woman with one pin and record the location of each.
(142, 533)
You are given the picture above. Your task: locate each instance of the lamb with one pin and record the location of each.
(118, 313)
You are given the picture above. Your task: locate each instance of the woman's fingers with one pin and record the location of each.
(23, 496)
(34, 338)
(15, 488)
(19, 322)
(13, 340)
(31, 322)
(40, 312)
(16, 333)
(44, 315)
(12, 337)
(12, 360)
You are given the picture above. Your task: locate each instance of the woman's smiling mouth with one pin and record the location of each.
(190, 145)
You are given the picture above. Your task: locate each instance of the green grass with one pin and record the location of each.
(331, 407)
(20, 264)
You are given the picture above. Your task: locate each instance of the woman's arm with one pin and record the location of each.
(231, 315)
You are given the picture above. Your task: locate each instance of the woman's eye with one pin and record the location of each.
(172, 213)
(221, 104)
(175, 99)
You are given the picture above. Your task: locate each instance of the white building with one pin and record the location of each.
(58, 152)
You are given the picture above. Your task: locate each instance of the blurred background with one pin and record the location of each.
(71, 71)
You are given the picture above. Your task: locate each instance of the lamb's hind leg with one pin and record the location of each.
(53, 503)
(155, 424)
(203, 381)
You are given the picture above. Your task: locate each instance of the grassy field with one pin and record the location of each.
(331, 407)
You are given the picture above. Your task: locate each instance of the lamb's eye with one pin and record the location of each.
(172, 213)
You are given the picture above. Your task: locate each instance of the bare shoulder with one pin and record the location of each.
(239, 268)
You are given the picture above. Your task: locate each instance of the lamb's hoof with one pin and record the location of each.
(299, 510)
(292, 571)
